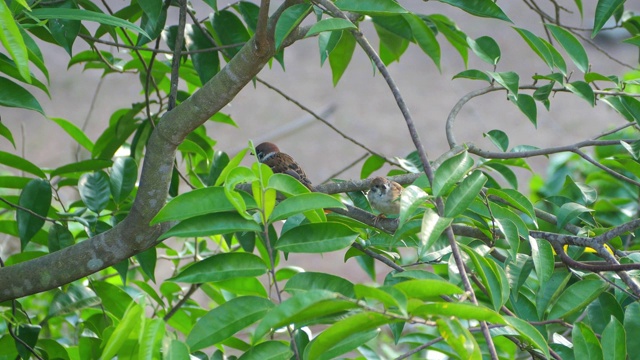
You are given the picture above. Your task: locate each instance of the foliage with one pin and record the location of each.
(473, 266)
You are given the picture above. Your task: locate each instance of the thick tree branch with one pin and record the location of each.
(134, 235)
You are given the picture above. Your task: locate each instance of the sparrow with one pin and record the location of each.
(270, 155)
(384, 196)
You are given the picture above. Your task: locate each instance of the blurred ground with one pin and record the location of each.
(365, 108)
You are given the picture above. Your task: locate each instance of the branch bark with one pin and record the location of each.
(134, 235)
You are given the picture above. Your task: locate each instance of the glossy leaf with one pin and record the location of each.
(330, 25)
(340, 56)
(569, 212)
(473, 75)
(12, 41)
(371, 7)
(75, 132)
(342, 329)
(222, 267)
(59, 237)
(459, 310)
(82, 166)
(94, 190)
(509, 80)
(527, 105)
(571, 45)
(486, 48)
(36, 196)
(226, 320)
(206, 63)
(459, 338)
(482, 8)
(425, 289)
(604, 11)
(229, 30)
(462, 196)
(28, 334)
(411, 199)
(306, 281)
(583, 90)
(499, 138)
(614, 341)
(272, 350)
(14, 95)
(537, 45)
(432, 227)
(151, 339)
(373, 163)
(304, 202)
(199, 202)
(585, 343)
(424, 37)
(529, 334)
(85, 15)
(6, 133)
(289, 20)
(122, 181)
(631, 326)
(132, 320)
(517, 200)
(212, 224)
(450, 172)
(316, 238)
(576, 297)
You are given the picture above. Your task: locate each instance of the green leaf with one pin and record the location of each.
(36, 196)
(28, 334)
(388, 296)
(527, 105)
(151, 337)
(614, 340)
(459, 338)
(327, 41)
(432, 227)
(473, 75)
(199, 202)
(571, 45)
(482, 8)
(94, 190)
(132, 320)
(604, 10)
(206, 64)
(537, 45)
(373, 163)
(302, 307)
(543, 259)
(122, 181)
(424, 37)
(303, 202)
(509, 80)
(19, 163)
(59, 237)
(14, 95)
(226, 320)
(305, 281)
(85, 15)
(583, 90)
(585, 343)
(330, 25)
(233, 163)
(462, 196)
(148, 260)
(631, 326)
(486, 48)
(75, 132)
(499, 138)
(492, 276)
(517, 200)
(212, 224)
(459, 310)
(316, 238)
(177, 351)
(569, 212)
(411, 199)
(229, 30)
(6, 133)
(576, 297)
(222, 267)
(82, 166)
(341, 54)
(450, 172)
(343, 329)
(114, 299)
(289, 20)
(425, 289)
(371, 7)
(272, 350)
(12, 41)
(530, 334)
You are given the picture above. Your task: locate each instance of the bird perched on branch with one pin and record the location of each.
(270, 155)
(384, 196)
